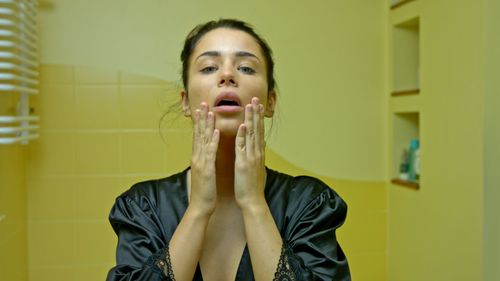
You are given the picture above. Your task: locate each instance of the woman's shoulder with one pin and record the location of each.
(151, 190)
(302, 188)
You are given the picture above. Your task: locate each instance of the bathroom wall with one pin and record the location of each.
(100, 135)
(330, 64)
(13, 230)
(436, 233)
(491, 59)
(110, 70)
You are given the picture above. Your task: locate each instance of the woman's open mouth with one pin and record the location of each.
(227, 102)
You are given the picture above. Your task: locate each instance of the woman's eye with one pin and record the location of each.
(246, 69)
(208, 69)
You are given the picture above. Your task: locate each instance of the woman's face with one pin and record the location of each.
(226, 70)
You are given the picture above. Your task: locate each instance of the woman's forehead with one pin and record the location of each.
(227, 41)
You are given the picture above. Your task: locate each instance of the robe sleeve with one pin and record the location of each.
(310, 247)
(142, 251)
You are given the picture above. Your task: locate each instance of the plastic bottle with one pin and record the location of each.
(404, 165)
(414, 155)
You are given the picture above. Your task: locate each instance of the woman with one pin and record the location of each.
(228, 217)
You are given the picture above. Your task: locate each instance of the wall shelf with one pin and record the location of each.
(410, 184)
(399, 3)
(405, 92)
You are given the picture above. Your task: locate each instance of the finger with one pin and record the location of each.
(240, 139)
(261, 127)
(196, 133)
(256, 123)
(250, 130)
(214, 143)
(203, 122)
(210, 124)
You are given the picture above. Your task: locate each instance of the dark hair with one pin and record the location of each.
(200, 30)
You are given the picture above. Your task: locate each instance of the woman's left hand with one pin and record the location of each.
(249, 166)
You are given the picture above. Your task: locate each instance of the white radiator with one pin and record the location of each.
(18, 68)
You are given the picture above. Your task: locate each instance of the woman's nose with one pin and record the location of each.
(227, 77)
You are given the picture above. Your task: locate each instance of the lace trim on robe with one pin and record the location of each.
(284, 271)
(161, 263)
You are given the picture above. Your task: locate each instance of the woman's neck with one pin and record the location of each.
(224, 167)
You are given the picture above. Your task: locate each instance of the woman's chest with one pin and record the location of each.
(223, 248)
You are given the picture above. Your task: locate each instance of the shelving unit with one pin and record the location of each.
(404, 84)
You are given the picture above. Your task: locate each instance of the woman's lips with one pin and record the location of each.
(227, 102)
(227, 109)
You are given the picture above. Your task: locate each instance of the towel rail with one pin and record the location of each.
(21, 139)
(14, 119)
(18, 68)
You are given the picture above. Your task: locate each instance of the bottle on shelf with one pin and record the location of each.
(404, 166)
(414, 161)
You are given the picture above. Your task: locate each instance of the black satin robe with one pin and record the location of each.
(306, 211)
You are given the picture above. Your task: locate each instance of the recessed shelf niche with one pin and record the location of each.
(406, 58)
(406, 127)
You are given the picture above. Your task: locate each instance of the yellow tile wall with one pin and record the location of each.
(100, 134)
(13, 236)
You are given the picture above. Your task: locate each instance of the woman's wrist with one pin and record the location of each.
(254, 207)
(197, 213)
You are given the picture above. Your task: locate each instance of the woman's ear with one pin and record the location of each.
(185, 104)
(271, 103)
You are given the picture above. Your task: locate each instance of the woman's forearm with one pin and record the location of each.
(187, 242)
(263, 239)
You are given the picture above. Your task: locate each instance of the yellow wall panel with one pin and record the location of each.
(13, 229)
(94, 197)
(57, 74)
(141, 107)
(95, 243)
(368, 266)
(60, 273)
(51, 198)
(178, 146)
(97, 153)
(52, 154)
(140, 158)
(51, 243)
(95, 75)
(127, 78)
(491, 60)
(57, 107)
(96, 107)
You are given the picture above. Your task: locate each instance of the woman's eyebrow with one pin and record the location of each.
(218, 54)
(246, 54)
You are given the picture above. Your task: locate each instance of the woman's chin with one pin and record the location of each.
(228, 129)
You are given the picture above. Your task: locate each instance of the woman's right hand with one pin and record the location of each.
(205, 144)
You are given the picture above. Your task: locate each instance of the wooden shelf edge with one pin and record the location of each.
(409, 92)
(400, 3)
(410, 184)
